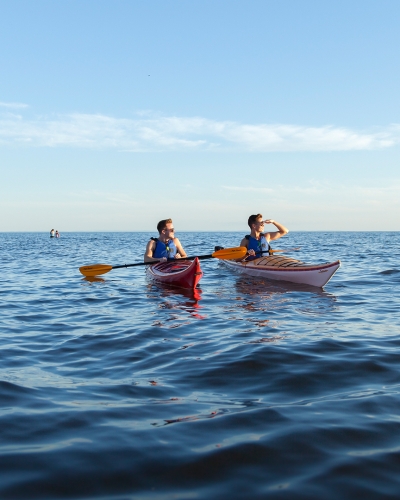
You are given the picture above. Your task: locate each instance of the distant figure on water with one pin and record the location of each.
(52, 233)
(257, 242)
(57, 234)
(166, 246)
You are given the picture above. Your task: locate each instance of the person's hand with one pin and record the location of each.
(269, 221)
(178, 256)
(163, 259)
(251, 252)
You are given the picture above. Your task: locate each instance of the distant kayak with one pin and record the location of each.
(287, 269)
(180, 273)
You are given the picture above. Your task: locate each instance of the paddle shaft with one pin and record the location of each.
(200, 257)
(271, 251)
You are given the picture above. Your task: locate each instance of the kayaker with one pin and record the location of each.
(166, 246)
(258, 241)
(57, 234)
(52, 233)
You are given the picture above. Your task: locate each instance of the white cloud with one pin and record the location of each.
(104, 198)
(326, 190)
(249, 188)
(147, 133)
(13, 105)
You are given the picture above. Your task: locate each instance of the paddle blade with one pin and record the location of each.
(230, 253)
(95, 269)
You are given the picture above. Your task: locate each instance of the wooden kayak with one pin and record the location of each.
(287, 269)
(181, 273)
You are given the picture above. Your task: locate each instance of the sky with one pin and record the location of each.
(115, 114)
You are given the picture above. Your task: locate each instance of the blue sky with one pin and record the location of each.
(116, 114)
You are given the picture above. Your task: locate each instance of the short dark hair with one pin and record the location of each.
(162, 224)
(253, 219)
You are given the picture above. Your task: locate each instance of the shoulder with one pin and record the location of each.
(267, 236)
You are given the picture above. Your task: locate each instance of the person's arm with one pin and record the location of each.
(148, 255)
(282, 230)
(180, 251)
(245, 243)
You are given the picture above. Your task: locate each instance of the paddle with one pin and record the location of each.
(224, 254)
(270, 251)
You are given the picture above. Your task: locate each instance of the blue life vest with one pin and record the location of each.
(168, 250)
(258, 246)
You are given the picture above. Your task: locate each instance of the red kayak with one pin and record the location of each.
(182, 273)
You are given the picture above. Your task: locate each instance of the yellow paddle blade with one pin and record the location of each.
(95, 269)
(230, 253)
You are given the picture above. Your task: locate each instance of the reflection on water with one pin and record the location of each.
(163, 290)
(94, 279)
(260, 295)
(170, 297)
(252, 285)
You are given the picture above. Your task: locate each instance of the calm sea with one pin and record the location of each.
(247, 389)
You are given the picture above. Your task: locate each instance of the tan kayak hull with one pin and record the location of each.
(286, 269)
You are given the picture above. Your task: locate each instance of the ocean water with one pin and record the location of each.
(117, 388)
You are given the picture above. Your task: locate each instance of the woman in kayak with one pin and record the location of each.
(166, 246)
(257, 242)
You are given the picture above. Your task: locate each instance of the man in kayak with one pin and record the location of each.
(258, 241)
(166, 246)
